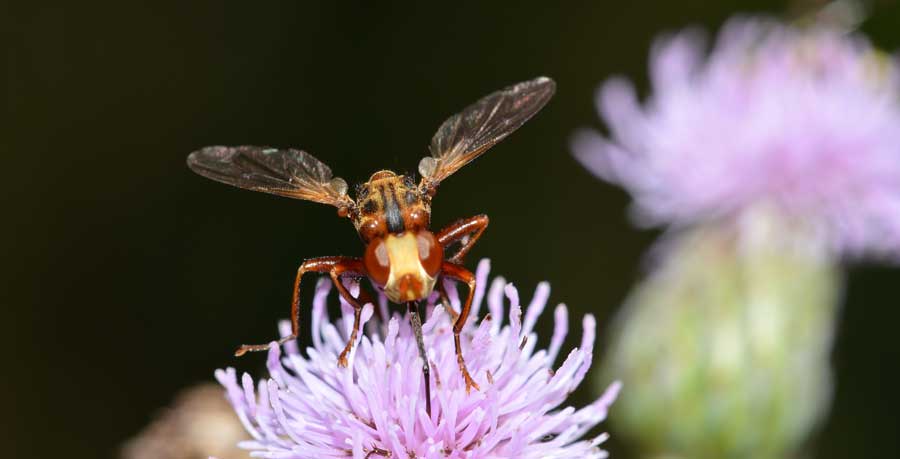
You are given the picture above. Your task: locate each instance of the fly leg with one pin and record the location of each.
(378, 451)
(317, 265)
(336, 267)
(455, 271)
(350, 266)
(413, 309)
(466, 231)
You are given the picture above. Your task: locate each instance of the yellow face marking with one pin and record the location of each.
(408, 280)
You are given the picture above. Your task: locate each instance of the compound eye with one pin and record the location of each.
(377, 262)
(431, 254)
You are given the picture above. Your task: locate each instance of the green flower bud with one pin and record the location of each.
(724, 348)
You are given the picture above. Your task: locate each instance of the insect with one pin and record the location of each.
(391, 212)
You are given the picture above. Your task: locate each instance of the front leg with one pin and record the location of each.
(351, 266)
(466, 231)
(412, 308)
(455, 271)
(319, 265)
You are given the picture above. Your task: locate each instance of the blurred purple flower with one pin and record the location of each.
(805, 120)
(311, 408)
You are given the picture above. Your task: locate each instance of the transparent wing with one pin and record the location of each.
(466, 135)
(291, 173)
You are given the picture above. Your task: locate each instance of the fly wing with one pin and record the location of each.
(466, 135)
(291, 173)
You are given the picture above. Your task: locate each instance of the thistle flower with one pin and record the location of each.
(199, 423)
(310, 407)
(771, 158)
(732, 330)
(806, 120)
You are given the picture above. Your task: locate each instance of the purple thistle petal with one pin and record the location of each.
(495, 303)
(536, 307)
(310, 407)
(560, 330)
(481, 279)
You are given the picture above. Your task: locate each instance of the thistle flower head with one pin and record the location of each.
(803, 120)
(199, 424)
(309, 407)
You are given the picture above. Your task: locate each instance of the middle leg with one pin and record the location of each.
(466, 231)
(351, 266)
(460, 273)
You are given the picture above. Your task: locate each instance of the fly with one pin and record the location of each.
(391, 213)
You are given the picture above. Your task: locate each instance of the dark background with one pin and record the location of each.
(126, 277)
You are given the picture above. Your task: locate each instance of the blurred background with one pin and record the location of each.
(128, 278)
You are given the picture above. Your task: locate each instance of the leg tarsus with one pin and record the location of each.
(245, 348)
(470, 383)
(342, 359)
